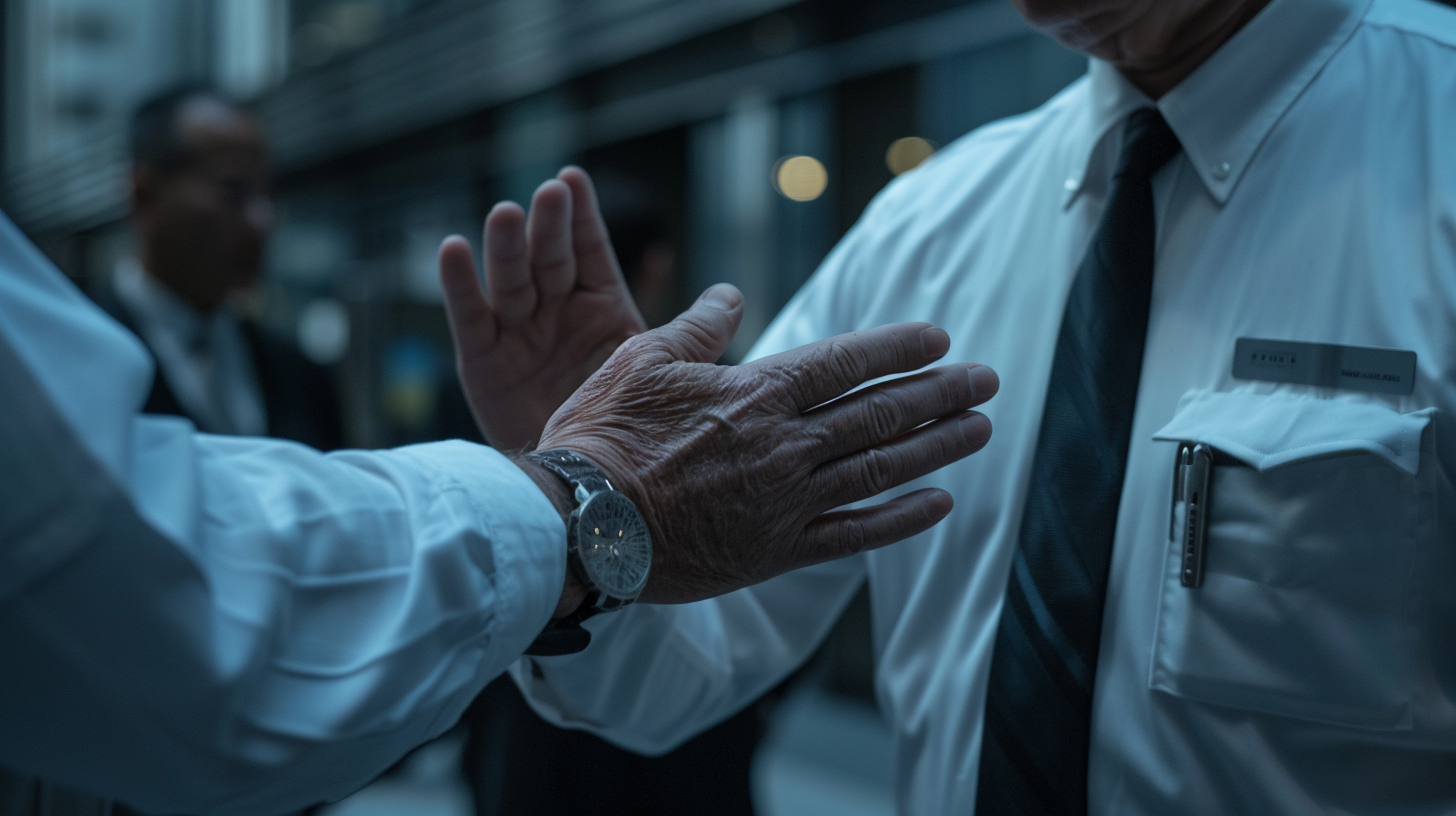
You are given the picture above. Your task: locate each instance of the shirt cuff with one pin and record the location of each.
(523, 549)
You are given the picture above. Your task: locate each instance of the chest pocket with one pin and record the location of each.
(1316, 514)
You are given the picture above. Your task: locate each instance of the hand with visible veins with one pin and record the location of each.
(557, 308)
(739, 470)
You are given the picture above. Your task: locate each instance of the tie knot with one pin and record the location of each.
(1147, 143)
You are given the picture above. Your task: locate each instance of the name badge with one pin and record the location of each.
(1360, 368)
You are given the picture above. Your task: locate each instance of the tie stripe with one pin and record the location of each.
(1039, 701)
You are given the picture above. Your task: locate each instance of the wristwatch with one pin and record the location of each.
(608, 548)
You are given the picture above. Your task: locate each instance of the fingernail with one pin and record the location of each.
(722, 297)
(984, 382)
(976, 428)
(934, 341)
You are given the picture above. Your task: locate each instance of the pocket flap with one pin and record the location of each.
(1269, 430)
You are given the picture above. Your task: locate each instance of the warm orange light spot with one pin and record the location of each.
(906, 154)
(800, 178)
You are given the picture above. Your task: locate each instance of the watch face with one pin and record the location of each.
(614, 545)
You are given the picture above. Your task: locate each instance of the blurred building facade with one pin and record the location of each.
(396, 122)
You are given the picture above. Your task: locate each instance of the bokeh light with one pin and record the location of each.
(800, 178)
(906, 154)
(323, 331)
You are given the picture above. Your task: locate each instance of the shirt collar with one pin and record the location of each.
(1224, 110)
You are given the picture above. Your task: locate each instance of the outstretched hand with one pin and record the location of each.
(556, 310)
(738, 470)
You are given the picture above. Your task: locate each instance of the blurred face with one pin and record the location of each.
(1154, 43)
(202, 227)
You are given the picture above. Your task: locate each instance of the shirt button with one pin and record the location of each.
(1070, 184)
(1221, 170)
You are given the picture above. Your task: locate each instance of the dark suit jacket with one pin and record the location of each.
(298, 394)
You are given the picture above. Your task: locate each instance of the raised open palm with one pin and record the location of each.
(557, 307)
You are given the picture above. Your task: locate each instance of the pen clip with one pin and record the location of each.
(1194, 483)
(1180, 462)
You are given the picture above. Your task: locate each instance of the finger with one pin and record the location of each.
(890, 409)
(507, 264)
(924, 450)
(548, 234)
(597, 266)
(846, 532)
(702, 333)
(472, 321)
(821, 371)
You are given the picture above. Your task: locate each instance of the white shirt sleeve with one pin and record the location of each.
(655, 676)
(227, 625)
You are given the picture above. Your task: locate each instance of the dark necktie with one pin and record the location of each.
(1039, 703)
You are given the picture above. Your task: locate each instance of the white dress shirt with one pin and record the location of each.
(1315, 669)
(204, 358)
(212, 624)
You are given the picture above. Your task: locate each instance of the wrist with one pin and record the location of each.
(573, 594)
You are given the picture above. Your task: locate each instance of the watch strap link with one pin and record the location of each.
(576, 469)
(566, 636)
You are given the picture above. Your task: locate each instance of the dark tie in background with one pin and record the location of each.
(1039, 702)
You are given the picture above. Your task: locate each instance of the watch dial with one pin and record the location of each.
(614, 545)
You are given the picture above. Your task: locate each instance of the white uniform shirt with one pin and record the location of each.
(1315, 669)
(210, 624)
(203, 358)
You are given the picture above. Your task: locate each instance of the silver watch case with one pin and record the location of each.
(609, 547)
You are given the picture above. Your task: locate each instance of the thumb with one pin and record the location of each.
(702, 333)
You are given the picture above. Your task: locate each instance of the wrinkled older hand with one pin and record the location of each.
(738, 469)
(556, 310)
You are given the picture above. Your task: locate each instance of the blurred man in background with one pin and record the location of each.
(202, 209)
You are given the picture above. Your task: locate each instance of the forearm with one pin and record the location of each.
(220, 625)
(281, 633)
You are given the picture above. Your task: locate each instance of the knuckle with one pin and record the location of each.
(956, 390)
(774, 388)
(877, 472)
(966, 439)
(909, 352)
(635, 344)
(851, 538)
(634, 349)
(902, 347)
(884, 416)
(847, 363)
(513, 284)
(553, 267)
(942, 449)
(704, 329)
(940, 446)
